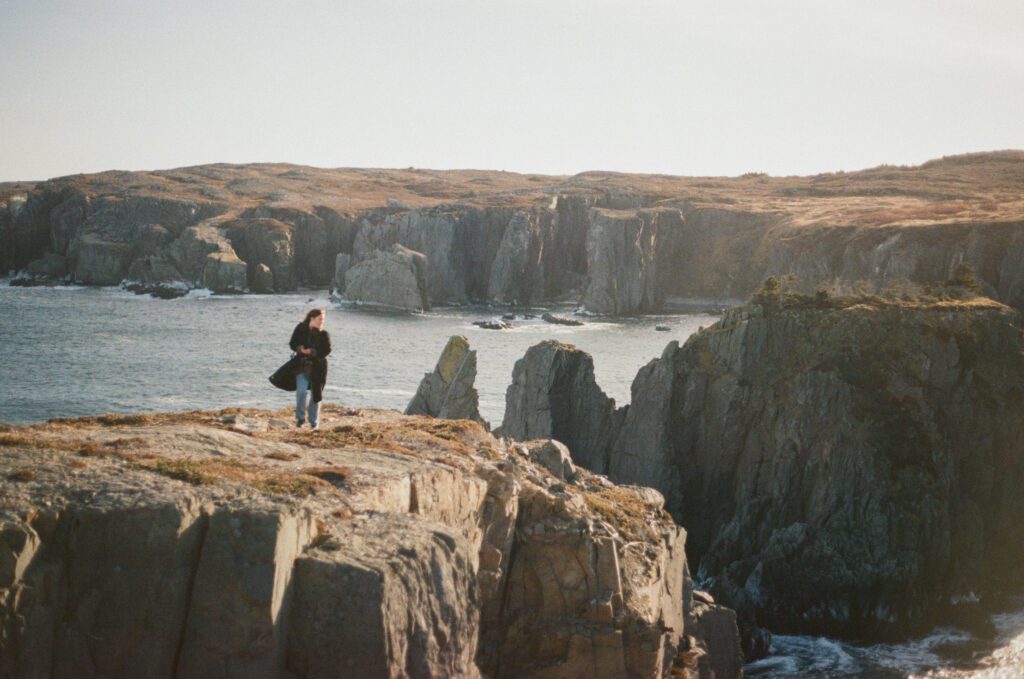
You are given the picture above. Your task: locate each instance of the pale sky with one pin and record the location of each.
(558, 87)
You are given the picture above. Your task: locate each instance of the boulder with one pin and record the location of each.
(553, 395)
(553, 456)
(224, 272)
(448, 391)
(393, 279)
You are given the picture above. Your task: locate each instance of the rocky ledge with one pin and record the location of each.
(382, 545)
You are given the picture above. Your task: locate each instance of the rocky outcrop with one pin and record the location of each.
(844, 466)
(448, 391)
(200, 257)
(554, 395)
(265, 242)
(394, 279)
(201, 544)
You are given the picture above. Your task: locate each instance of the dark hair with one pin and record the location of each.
(311, 314)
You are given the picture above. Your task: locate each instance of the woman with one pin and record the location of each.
(307, 371)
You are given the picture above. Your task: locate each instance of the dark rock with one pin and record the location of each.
(266, 241)
(493, 325)
(262, 279)
(49, 266)
(834, 465)
(558, 320)
(662, 328)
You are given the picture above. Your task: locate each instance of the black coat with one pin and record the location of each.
(320, 342)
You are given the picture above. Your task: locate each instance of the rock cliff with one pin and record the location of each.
(617, 243)
(843, 466)
(228, 544)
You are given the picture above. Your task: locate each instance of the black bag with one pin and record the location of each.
(284, 377)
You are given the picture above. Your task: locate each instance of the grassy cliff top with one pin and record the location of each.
(968, 188)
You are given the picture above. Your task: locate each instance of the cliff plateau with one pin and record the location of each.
(230, 545)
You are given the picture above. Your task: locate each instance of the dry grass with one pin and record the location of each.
(625, 510)
(135, 419)
(22, 475)
(212, 472)
(332, 474)
(122, 447)
(282, 456)
(415, 437)
(830, 198)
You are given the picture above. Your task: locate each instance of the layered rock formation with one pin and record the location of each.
(843, 466)
(448, 391)
(199, 544)
(617, 243)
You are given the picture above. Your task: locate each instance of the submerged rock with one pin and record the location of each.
(559, 320)
(448, 391)
(493, 325)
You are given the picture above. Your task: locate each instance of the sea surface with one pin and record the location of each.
(72, 351)
(69, 351)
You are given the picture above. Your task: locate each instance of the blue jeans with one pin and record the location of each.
(303, 395)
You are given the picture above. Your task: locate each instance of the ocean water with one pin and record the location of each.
(945, 653)
(73, 351)
(82, 351)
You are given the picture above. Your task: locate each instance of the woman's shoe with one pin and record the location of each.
(299, 423)
(314, 425)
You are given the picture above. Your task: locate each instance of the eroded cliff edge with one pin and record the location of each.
(616, 243)
(844, 466)
(227, 544)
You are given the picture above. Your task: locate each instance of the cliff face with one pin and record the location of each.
(849, 470)
(618, 244)
(382, 545)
